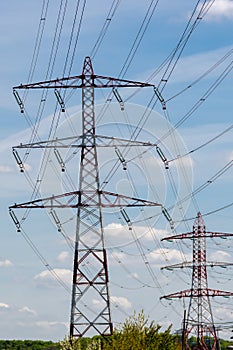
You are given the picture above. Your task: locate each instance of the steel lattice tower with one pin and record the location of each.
(199, 319)
(89, 200)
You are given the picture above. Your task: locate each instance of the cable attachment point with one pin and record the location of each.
(162, 156)
(56, 219)
(18, 100)
(59, 159)
(126, 217)
(160, 97)
(15, 220)
(18, 160)
(168, 217)
(121, 158)
(60, 100)
(119, 99)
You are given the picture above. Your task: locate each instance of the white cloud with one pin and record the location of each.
(220, 255)
(49, 324)
(63, 256)
(117, 301)
(200, 63)
(4, 306)
(160, 255)
(27, 310)
(134, 275)
(220, 10)
(47, 279)
(6, 263)
(121, 301)
(6, 169)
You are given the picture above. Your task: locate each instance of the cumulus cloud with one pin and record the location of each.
(6, 263)
(121, 301)
(27, 310)
(49, 324)
(220, 10)
(220, 255)
(48, 278)
(117, 234)
(63, 256)
(117, 301)
(6, 169)
(172, 255)
(4, 306)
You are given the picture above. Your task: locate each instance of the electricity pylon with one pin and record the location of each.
(90, 269)
(199, 319)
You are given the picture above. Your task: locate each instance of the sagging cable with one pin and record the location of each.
(18, 100)
(15, 220)
(160, 97)
(119, 99)
(121, 158)
(56, 219)
(59, 159)
(60, 100)
(168, 217)
(18, 160)
(162, 156)
(126, 218)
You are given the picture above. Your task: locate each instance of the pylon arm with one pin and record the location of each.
(77, 142)
(192, 293)
(73, 200)
(189, 264)
(193, 235)
(78, 81)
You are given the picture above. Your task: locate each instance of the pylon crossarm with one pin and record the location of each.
(77, 142)
(189, 264)
(218, 293)
(193, 235)
(78, 81)
(192, 293)
(178, 295)
(178, 266)
(118, 200)
(180, 236)
(218, 234)
(72, 200)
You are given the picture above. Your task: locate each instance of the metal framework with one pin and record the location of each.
(199, 317)
(90, 269)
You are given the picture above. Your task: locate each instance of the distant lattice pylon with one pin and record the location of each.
(199, 319)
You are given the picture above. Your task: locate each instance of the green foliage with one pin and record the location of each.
(80, 344)
(137, 333)
(28, 344)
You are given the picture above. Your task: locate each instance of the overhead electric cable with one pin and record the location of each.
(103, 31)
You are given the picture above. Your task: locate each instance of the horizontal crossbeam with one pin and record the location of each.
(189, 264)
(78, 81)
(77, 142)
(192, 293)
(192, 235)
(81, 199)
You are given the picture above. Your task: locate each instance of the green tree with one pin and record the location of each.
(137, 333)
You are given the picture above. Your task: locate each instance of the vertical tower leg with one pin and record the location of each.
(90, 309)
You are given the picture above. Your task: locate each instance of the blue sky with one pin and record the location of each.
(32, 303)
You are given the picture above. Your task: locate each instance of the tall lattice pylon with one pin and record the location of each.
(199, 321)
(90, 269)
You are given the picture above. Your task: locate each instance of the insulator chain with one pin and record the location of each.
(18, 100)
(121, 158)
(18, 160)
